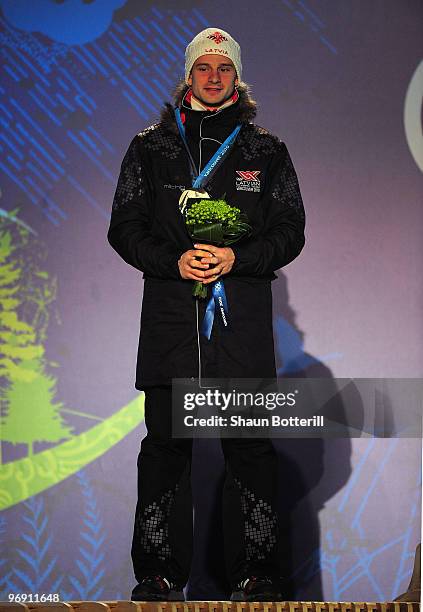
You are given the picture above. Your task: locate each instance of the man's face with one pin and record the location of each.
(213, 79)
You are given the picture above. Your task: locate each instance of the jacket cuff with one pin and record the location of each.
(242, 252)
(175, 268)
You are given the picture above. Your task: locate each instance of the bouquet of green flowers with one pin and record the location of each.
(214, 222)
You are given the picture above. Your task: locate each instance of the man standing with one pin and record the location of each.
(255, 173)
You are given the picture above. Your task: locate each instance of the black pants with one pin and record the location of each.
(162, 540)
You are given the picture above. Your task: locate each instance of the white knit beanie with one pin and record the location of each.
(213, 41)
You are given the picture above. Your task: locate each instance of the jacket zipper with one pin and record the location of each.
(198, 344)
(196, 300)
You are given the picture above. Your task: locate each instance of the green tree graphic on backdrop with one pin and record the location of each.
(28, 411)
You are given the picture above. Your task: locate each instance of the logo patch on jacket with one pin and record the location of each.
(169, 186)
(247, 180)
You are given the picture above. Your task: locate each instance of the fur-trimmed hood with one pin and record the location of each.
(247, 106)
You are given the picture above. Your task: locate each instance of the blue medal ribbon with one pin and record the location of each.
(218, 299)
(217, 158)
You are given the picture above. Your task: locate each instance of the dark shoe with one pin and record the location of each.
(256, 588)
(156, 588)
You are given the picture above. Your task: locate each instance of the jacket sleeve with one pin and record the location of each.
(130, 224)
(282, 238)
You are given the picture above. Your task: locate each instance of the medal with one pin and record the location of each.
(191, 194)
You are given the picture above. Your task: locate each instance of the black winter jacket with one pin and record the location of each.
(148, 231)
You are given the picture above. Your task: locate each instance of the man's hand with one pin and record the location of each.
(199, 269)
(220, 258)
(191, 267)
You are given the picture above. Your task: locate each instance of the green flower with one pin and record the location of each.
(211, 211)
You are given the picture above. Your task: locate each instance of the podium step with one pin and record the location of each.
(210, 606)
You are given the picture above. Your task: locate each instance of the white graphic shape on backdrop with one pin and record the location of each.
(412, 116)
